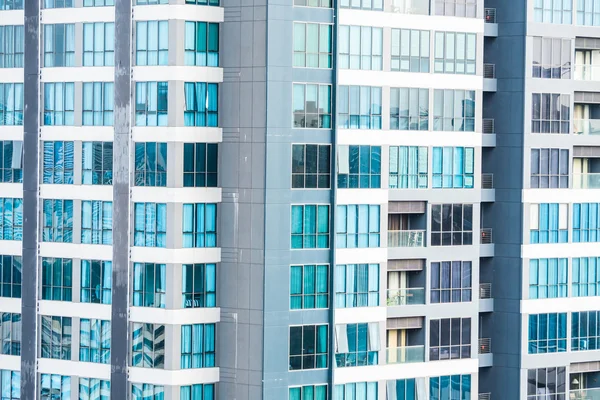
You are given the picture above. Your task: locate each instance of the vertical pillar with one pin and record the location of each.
(31, 131)
(121, 200)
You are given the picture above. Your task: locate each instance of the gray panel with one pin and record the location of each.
(31, 124)
(121, 175)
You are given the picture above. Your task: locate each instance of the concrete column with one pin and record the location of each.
(76, 280)
(79, 43)
(76, 221)
(78, 105)
(172, 347)
(176, 103)
(75, 325)
(176, 36)
(77, 159)
(174, 285)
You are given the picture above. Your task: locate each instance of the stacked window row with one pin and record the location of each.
(586, 12)
(18, 4)
(548, 332)
(360, 107)
(549, 277)
(549, 223)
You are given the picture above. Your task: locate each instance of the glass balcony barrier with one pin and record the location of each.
(406, 354)
(586, 181)
(587, 72)
(405, 297)
(413, 238)
(586, 126)
(585, 394)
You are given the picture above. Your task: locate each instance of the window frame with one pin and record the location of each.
(322, 115)
(305, 238)
(324, 50)
(321, 177)
(317, 293)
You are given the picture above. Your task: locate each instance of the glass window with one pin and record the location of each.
(449, 338)
(151, 103)
(59, 45)
(98, 3)
(10, 326)
(551, 58)
(454, 110)
(547, 278)
(453, 167)
(309, 347)
(456, 8)
(150, 224)
(309, 286)
(553, 11)
(359, 107)
(94, 341)
(58, 221)
(198, 392)
(148, 346)
(201, 104)
(409, 109)
(56, 337)
(58, 162)
(356, 344)
(59, 103)
(547, 333)
(406, 389)
(312, 45)
(311, 166)
(96, 281)
(313, 3)
(12, 41)
(356, 391)
(11, 103)
(200, 164)
(202, 44)
(357, 226)
(98, 103)
(376, 5)
(356, 285)
(94, 389)
(199, 285)
(11, 4)
(410, 50)
(55, 387)
(310, 392)
(359, 167)
(150, 164)
(547, 382)
(455, 53)
(96, 222)
(11, 161)
(586, 223)
(10, 384)
(551, 113)
(146, 391)
(588, 13)
(149, 285)
(360, 47)
(451, 281)
(10, 276)
(548, 223)
(203, 2)
(57, 279)
(450, 387)
(152, 43)
(11, 219)
(99, 44)
(408, 167)
(549, 168)
(310, 226)
(585, 331)
(585, 276)
(150, 2)
(312, 106)
(197, 346)
(58, 3)
(451, 224)
(199, 225)
(97, 163)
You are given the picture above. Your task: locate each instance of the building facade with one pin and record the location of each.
(227, 199)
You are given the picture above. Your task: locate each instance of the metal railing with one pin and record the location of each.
(484, 396)
(489, 71)
(413, 238)
(487, 181)
(587, 72)
(488, 125)
(485, 345)
(486, 236)
(485, 290)
(586, 181)
(489, 14)
(406, 297)
(586, 126)
(585, 394)
(406, 354)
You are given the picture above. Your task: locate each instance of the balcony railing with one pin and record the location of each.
(586, 72)
(404, 355)
(414, 238)
(485, 290)
(488, 125)
(586, 126)
(490, 15)
(406, 297)
(486, 236)
(487, 181)
(585, 394)
(485, 345)
(586, 181)
(485, 396)
(489, 71)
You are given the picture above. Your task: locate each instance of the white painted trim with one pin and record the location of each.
(11, 190)
(74, 368)
(176, 195)
(76, 250)
(181, 134)
(12, 17)
(11, 248)
(175, 256)
(175, 317)
(188, 12)
(77, 14)
(558, 250)
(74, 133)
(74, 310)
(13, 132)
(360, 314)
(173, 378)
(371, 255)
(12, 363)
(362, 196)
(177, 73)
(386, 137)
(561, 195)
(11, 75)
(409, 79)
(78, 74)
(10, 305)
(82, 192)
(559, 305)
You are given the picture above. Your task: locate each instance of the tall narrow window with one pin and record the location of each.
(96, 222)
(58, 162)
(152, 43)
(11, 103)
(148, 347)
(199, 225)
(150, 224)
(56, 337)
(202, 44)
(57, 279)
(98, 103)
(150, 164)
(59, 103)
(59, 45)
(197, 346)
(199, 284)
(10, 326)
(149, 285)
(11, 219)
(11, 161)
(10, 382)
(201, 104)
(94, 341)
(96, 281)
(97, 163)
(12, 43)
(57, 221)
(99, 44)
(200, 164)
